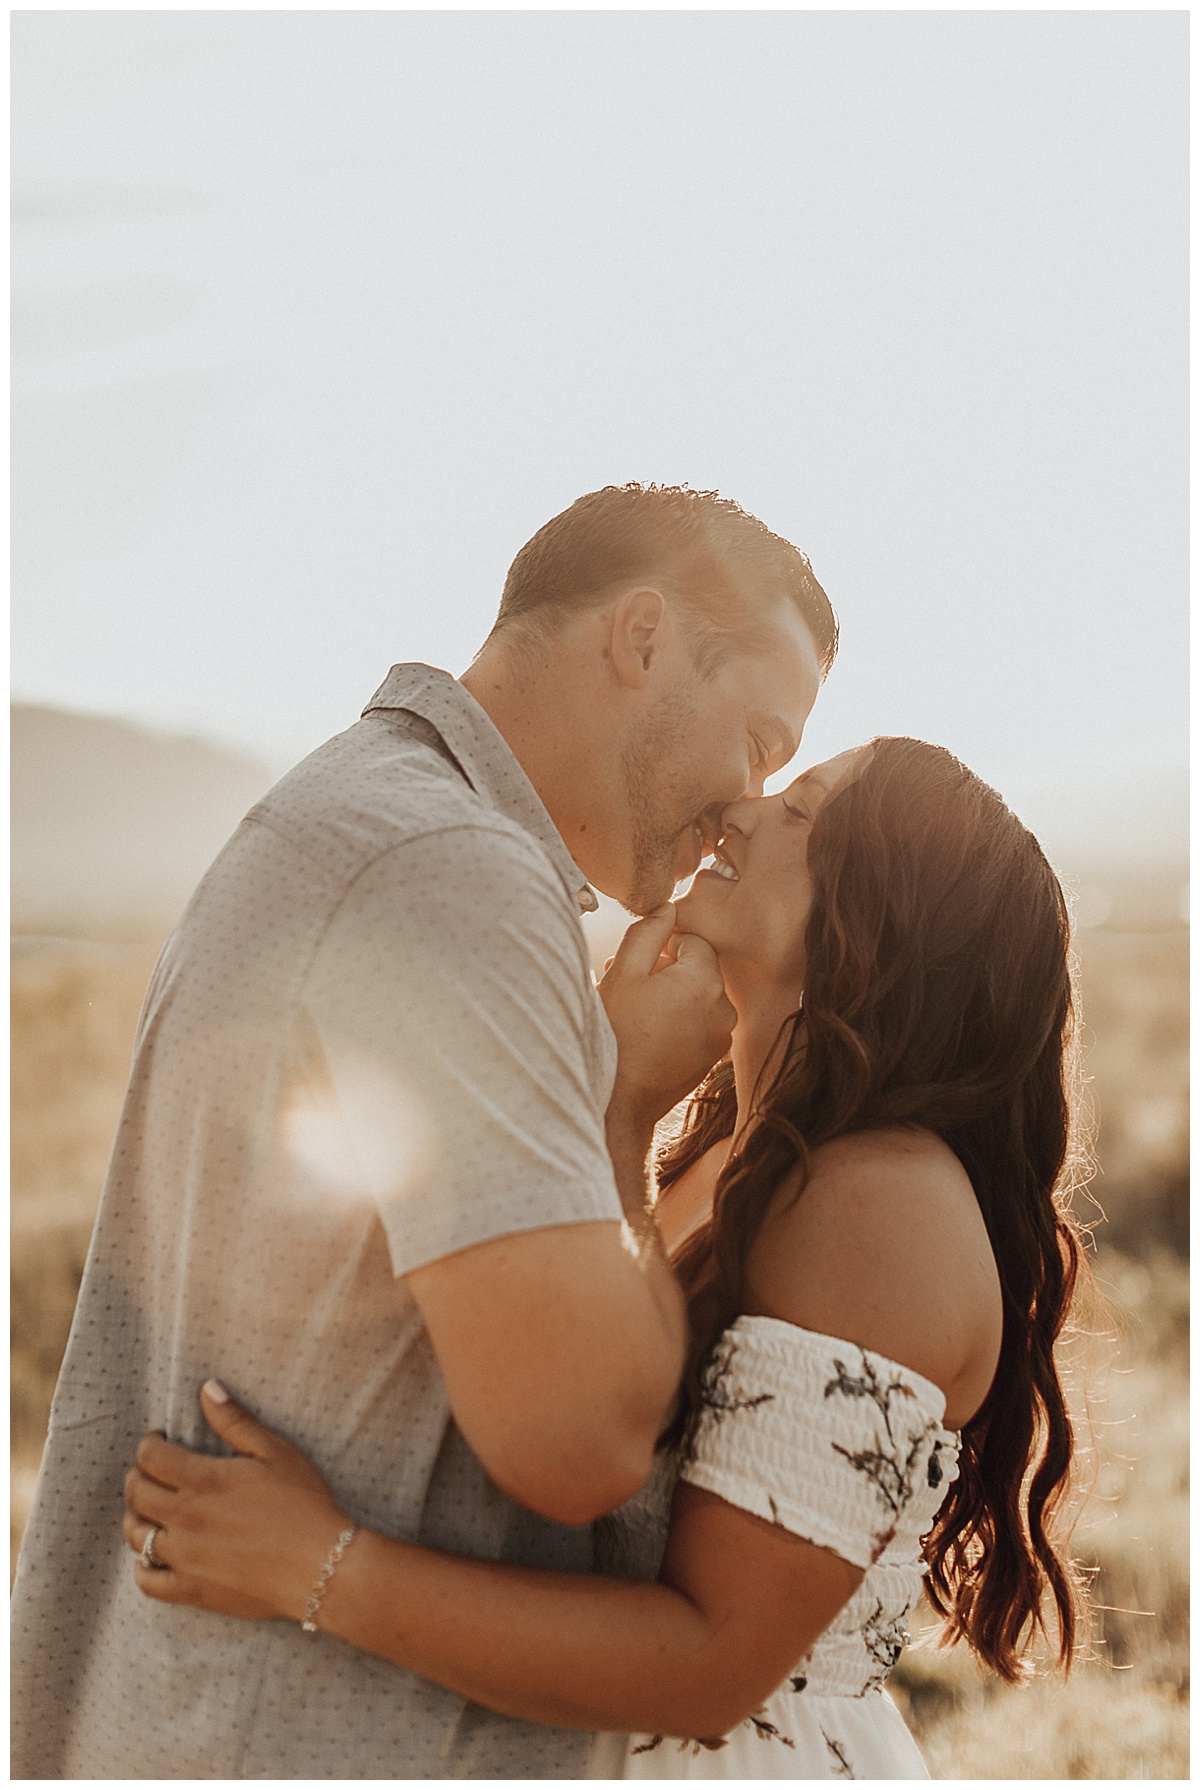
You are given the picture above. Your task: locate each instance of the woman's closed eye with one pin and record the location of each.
(795, 810)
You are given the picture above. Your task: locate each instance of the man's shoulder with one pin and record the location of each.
(473, 887)
(386, 773)
(384, 786)
(380, 821)
(387, 816)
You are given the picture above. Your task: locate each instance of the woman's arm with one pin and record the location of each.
(739, 1603)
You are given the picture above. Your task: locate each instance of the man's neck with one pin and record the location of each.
(551, 727)
(518, 697)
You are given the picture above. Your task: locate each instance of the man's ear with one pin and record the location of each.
(641, 626)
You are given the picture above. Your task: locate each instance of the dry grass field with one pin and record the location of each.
(74, 1011)
(1124, 1711)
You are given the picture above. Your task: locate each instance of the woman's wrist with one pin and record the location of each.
(351, 1593)
(295, 1573)
(312, 1609)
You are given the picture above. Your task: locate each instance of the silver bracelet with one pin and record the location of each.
(309, 1622)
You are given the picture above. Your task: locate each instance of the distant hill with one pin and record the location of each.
(1118, 835)
(113, 825)
(1112, 814)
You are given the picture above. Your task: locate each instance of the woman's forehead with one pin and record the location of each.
(833, 772)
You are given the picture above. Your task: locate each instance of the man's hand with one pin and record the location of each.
(667, 1005)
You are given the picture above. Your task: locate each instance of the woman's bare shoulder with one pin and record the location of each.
(900, 1147)
(902, 1183)
(885, 1245)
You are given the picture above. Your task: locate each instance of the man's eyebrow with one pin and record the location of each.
(778, 734)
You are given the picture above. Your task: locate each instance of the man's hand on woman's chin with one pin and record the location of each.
(667, 1005)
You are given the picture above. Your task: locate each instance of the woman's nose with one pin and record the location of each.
(741, 816)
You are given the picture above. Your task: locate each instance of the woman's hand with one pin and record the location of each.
(245, 1537)
(739, 1602)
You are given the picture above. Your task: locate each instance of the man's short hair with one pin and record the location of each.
(711, 555)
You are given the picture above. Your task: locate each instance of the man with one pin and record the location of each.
(378, 1169)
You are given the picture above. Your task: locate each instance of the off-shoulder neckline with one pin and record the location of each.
(846, 1342)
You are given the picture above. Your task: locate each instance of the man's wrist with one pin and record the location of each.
(633, 1112)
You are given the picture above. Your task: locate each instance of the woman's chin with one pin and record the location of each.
(693, 915)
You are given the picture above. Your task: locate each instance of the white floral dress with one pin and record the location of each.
(847, 1449)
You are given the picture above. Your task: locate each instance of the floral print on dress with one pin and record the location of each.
(843, 1447)
(767, 1730)
(695, 1747)
(758, 1723)
(868, 1385)
(886, 1641)
(718, 1392)
(842, 1767)
(891, 1469)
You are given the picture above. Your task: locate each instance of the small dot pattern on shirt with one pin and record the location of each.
(371, 1041)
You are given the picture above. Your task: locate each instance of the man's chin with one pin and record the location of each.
(682, 873)
(650, 891)
(670, 880)
(641, 902)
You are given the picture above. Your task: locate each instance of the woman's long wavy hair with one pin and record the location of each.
(938, 993)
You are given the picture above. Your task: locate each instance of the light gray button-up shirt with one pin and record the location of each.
(372, 1040)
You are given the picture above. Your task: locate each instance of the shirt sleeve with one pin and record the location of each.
(458, 1026)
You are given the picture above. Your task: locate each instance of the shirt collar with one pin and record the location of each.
(484, 757)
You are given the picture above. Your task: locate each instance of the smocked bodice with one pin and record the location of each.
(830, 1441)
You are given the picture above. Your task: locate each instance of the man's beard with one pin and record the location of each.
(648, 762)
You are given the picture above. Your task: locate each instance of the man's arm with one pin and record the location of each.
(562, 1348)
(560, 1363)
(558, 1327)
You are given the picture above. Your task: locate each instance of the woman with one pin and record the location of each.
(867, 1210)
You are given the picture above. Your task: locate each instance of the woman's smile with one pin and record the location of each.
(721, 866)
(762, 854)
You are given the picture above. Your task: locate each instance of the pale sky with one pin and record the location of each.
(319, 315)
